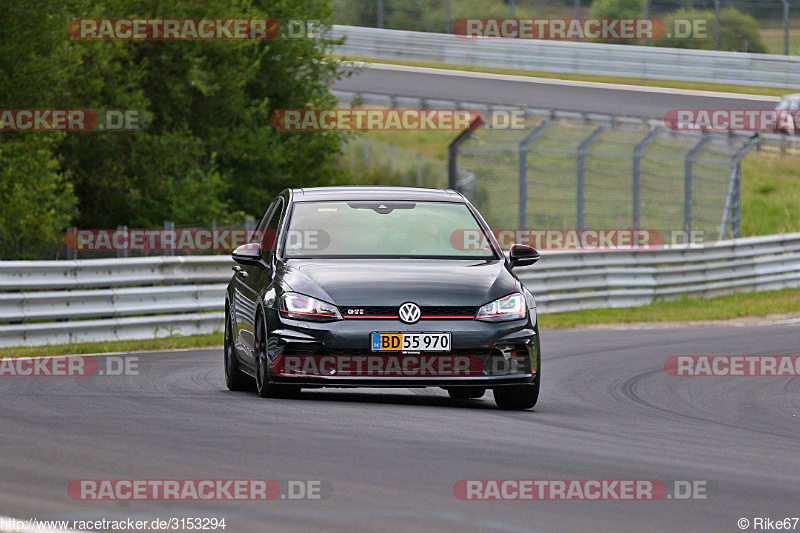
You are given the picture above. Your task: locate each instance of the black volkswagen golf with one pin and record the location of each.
(380, 287)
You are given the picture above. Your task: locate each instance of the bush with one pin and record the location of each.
(738, 32)
(607, 9)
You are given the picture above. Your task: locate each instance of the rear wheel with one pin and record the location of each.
(264, 388)
(466, 393)
(235, 379)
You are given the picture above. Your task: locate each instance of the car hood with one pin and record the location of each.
(354, 282)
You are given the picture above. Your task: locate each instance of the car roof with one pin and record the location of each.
(376, 192)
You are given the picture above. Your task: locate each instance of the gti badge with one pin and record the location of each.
(409, 313)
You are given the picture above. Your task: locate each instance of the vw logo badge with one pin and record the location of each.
(409, 313)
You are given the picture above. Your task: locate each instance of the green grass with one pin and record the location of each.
(773, 39)
(770, 194)
(167, 343)
(751, 304)
(672, 84)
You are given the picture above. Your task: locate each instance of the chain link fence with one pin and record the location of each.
(558, 174)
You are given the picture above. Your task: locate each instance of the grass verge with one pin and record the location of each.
(747, 304)
(622, 80)
(167, 343)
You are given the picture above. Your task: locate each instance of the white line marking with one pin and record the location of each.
(111, 353)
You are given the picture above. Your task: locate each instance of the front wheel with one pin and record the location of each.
(517, 396)
(264, 388)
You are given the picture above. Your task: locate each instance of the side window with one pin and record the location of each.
(257, 234)
(270, 239)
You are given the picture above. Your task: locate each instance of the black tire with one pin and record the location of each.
(235, 379)
(466, 393)
(517, 396)
(264, 388)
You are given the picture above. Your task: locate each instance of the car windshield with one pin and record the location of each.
(381, 229)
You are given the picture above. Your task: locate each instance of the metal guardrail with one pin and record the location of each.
(138, 298)
(651, 62)
(55, 302)
(567, 281)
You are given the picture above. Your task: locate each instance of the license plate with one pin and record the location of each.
(410, 342)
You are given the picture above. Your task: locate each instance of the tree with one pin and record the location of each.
(625, 9)
(738, 32)
(209, 151)
(38, 201)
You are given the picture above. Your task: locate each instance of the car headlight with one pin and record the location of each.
(302, 307)
(511, 307)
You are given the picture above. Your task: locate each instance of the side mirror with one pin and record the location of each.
(523, 255)
(249, 254)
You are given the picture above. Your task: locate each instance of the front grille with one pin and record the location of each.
(439, 311)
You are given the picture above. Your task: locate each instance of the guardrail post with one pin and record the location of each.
(581, 164)
(733, 201)
(687, 184)
(169, 226)
(522, 218)
(452, 152)
(785, 27)
(637, 176)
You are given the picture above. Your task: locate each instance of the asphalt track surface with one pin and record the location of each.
(651, 102)
(608, 410)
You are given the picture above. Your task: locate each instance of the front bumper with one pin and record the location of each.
(508, 351)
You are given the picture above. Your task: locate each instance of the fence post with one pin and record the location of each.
(687, 184)
(419, 169)
(452, 152)
(391, 159)
(72, 252)
(366, 152)
(733, 201)
(522, 217)
(637, 176)
(785, 27)
(581, 164)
